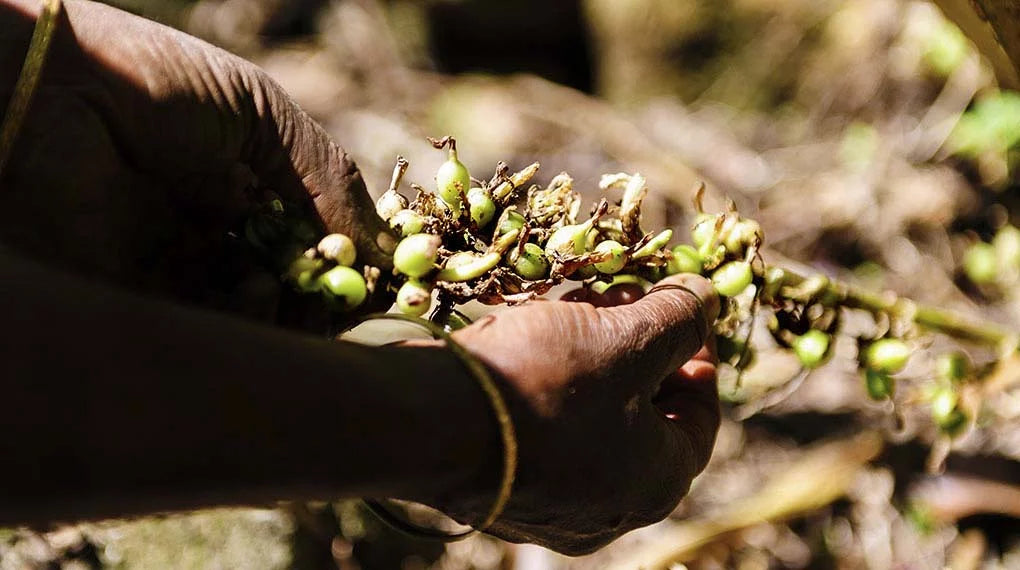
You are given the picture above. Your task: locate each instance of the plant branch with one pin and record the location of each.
(835, 293)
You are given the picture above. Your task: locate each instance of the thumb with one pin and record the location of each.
(294, 156)
(666, 327)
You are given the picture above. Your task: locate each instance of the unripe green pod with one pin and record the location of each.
(812, 348)
(879, 384)
(465, 266)
(569, 240)
(704, 230)
(510, 221)
(338, 248)
(618, 258)
(742, 235)
(414, 298)
(389, 204)
(452, 179)
(416, 255)
(732, 278)
(482, 207)
(343, 287)
(532, 263)
(655, 244)
(952, 366)
(887, 355)
(685, 259)
(407, 222)
(980, 263)
(946, 412)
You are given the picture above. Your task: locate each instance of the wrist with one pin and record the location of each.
(452, 441)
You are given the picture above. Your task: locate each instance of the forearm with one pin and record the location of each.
(116, 404)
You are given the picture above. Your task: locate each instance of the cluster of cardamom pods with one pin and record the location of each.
(505, 240)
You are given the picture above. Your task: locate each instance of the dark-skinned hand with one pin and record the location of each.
(615, 406)
(137, 165)
(140, 151)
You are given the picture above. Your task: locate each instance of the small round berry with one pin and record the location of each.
(483, 209)
(511, 220)
(812, 348)
(338, 248)
(732, 278)
(888, 355)
(981, 264)
(344, 287)
(617, 259)
(946, 412)
(685, 259)
(407, 222)
(742, 235)
(416, 255)
(414, 298)
(453, 180)
(568, 240)
(703, 231)
(532, 263)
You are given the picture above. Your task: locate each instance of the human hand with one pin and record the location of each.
(140, 152)
(615, 410)
(133, 166)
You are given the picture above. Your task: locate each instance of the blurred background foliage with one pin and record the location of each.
(868, 137)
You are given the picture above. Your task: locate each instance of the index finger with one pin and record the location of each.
(665, 328)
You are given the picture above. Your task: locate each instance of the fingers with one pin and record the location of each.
(295, 157)
(665, 328)
(696, 378)
(183, 107)
(689, 401)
